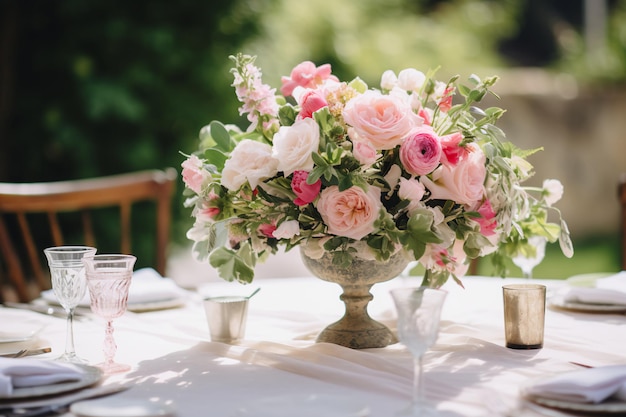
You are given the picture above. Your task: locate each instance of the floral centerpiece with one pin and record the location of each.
(338, 167)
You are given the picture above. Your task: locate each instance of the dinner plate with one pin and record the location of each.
(558, 301)
(137, 307)
(91, 376)
(608, 406)
(19, 325)
(587, 280)
(313, 405)
(122, 407)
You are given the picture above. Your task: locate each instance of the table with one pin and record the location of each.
(468, 372)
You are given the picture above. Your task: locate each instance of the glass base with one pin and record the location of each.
(516, 346)
(72, 358)
(421, 410)
(113, 367)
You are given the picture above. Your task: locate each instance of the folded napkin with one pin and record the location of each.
(610, 290)
(24, 372)
(592, 385)
(149, 286)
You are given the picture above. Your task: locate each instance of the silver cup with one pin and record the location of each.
(524, 315)
(226, 316)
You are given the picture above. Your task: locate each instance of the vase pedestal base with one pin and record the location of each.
(375, 335)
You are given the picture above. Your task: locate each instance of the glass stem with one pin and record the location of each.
(69, 334)
(418, 386)
(109, 344)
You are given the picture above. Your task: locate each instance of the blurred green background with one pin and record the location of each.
(108, 86)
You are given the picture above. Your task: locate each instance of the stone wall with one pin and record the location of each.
(583, 133)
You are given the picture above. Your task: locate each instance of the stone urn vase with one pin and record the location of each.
(356, 329)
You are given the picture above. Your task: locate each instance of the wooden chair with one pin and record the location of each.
(621, 193)
(57, 205)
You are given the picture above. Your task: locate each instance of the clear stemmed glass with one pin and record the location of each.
(67, 274)
(419, 313)
(108, 278)
(526, 262)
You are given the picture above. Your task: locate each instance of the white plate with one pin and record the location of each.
(19, 325)
(559, 302)
(312, 405)
(609, 406)
(122, 407)
(90, 377)
(137, 307)
(587, 280)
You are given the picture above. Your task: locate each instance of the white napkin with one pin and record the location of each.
(148, 286)
(610, 290)
(20, 373)
(592, 385)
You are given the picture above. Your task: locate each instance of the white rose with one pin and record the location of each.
(552, 191)
(411, 79)
(388, 80)
(287, 230)
(411, 190)
(294, 144)
(250, 161)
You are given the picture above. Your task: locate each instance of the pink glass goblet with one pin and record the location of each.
(108, 280)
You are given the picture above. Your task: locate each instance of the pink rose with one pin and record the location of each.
(310, 102)
(364, 152)
(383, 120)
(487, 219)
(452, 152)
(306, 75)
(305, 193)
(350, 213)
(421, 151)
(464, 183)
(193, 173)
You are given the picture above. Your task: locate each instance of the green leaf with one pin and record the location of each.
(565, 242)
(221, 137)
(232, 265)
(215, 157)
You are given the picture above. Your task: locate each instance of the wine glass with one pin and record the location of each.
(67, 274)
(108, 278)
(419, 313)
(526, 262)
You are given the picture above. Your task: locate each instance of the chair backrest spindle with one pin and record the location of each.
(81, 197)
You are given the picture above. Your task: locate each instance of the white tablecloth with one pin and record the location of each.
(468, 372)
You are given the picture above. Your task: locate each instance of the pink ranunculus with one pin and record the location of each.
(310, 102)
(420, 153)
(193, 173)
(209, 207)
(350, 213)
(464, 183)
(305, 193)
(383, 120)
(452, 151)
(487, 219)
(306, 75)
